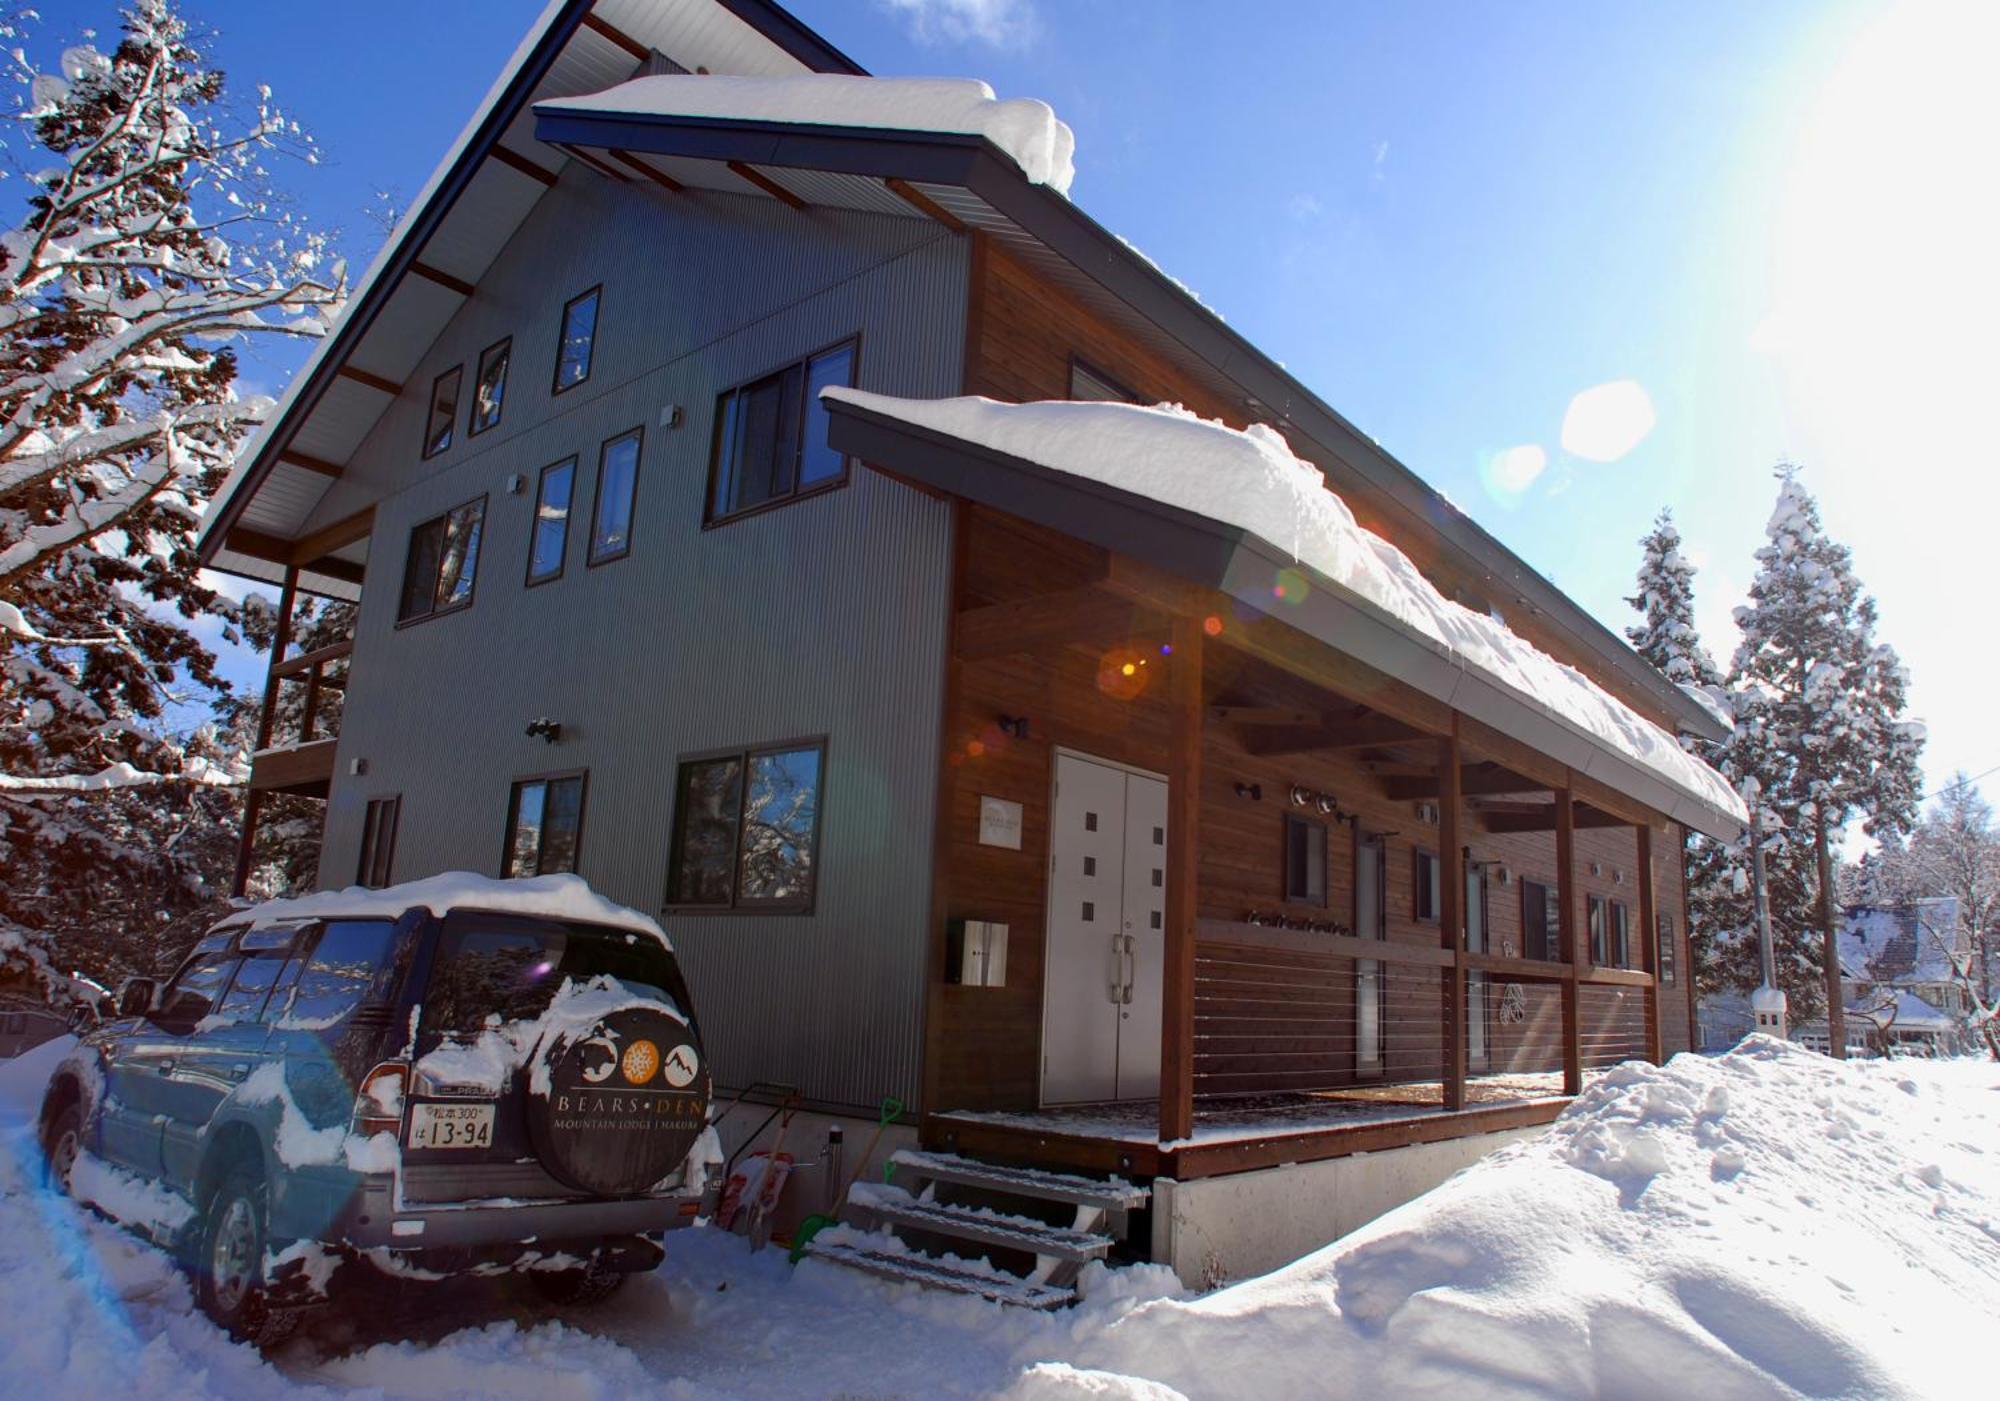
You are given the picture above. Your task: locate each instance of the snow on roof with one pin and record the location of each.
(1250, 479)
(552, 897)
(1026, 129)
(1900, 943)
(1910, 1012)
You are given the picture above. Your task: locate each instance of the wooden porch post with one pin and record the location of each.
(267, 718)
(1649, 941)
(1451, 918)
(1184, 696)
(1572, 988)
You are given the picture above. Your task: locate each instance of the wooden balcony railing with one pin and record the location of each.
(301, 761)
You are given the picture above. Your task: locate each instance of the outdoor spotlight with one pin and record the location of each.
(1302, 796)
(1253, 791)
(549, 731)
(1326, 804)
(1015, 725)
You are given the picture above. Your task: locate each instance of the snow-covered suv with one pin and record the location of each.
(457, 1074)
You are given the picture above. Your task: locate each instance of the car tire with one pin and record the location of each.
(592, 1284)
(229, 1266)
(61, 1147)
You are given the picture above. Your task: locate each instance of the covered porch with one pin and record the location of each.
(1390, 905)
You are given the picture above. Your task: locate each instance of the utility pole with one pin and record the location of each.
(1767, 1003)
(1836, 1003)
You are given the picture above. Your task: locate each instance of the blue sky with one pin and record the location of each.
(1777, 219)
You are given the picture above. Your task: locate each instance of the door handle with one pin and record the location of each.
(1116, 983)
(1131, 968)
(239, 1070)
(166, 1066)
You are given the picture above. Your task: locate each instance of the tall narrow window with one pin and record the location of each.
(617, 489)
(489, 389)
(1429, 898)
(1371, 880)
(544, 825)
(378, 842)
(1305, 860)
(1541, 922)
(1666, 947)
(1594, 906)
(746, 829)
(444, 411)
(549, 542)
(442, 563)
(770, 436)
(1621, 934)
(579, 337)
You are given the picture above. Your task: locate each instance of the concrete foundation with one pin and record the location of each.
(1217, 1229)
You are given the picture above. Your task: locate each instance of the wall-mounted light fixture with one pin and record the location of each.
(1015, 725)
(1253, 791)
(545, 729)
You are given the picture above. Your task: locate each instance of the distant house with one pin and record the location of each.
(1897, 980)
(750, 506)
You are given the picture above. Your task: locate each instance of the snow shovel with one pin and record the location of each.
(892, 1110)
(777, 1167)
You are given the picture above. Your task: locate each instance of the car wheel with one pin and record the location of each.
(592, 1284)
(62, 1147)
(229, 1271)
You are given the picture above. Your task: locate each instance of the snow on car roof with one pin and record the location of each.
(563, 897)
(1026, 129)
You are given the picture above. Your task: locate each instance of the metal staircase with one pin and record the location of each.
(911, 1231)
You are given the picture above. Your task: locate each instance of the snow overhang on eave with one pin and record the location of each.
(603, 40)
(974, 184)
(1241, 564)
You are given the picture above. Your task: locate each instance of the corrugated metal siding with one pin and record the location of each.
(826, 617)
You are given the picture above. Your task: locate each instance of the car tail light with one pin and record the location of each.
(378, 1103)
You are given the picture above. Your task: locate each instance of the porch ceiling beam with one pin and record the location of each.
(375, 382)
(601, 167)
(651, 172)
(273, 550)
(924, 204)
(1262, 715)
(1083, 615)
(311, 464)
(309, 549)
(1500, 823)
(1475, 780)
(443, 279)
(766, 184)
(519, 163)
(616, 35)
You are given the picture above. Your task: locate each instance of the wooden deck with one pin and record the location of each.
(1238, 1133)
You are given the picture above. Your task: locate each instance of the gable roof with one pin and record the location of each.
(965, 180)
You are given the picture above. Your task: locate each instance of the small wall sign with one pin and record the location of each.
(999, 823)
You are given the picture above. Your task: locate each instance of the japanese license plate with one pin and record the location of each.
(451, 1126)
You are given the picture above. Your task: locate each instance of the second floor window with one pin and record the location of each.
(442, 563)
(489, 389)
(544, 825)
(550, 539)
(617, 490)
(770, 436)
(578, 340)
(1429, 897)
(444, 411)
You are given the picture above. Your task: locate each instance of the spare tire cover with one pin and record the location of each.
(625, 1101)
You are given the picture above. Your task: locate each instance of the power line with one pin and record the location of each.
(1962, 783)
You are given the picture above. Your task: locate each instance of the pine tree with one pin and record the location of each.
(1665, 600)
(1819, 731)
(151, 246)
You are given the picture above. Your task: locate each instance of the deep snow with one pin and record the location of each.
(1766, 1223)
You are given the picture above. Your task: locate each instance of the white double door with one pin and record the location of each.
(1106, 950)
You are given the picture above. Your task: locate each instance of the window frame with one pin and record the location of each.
(533, 580)
(711, 516)
(736, 904)
(393, 802)
(556, 386)
(472, 425)
(1422, 891)
(1111, 382)
(591, 558)
(470, 595)
(1618, 933)
(431, 412)
(1597, 928)
(1315, 832)
(514, 788)
(1550, 933)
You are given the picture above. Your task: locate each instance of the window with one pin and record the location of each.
(378, 842)
(349, 966)
(617, 485)
(444, 411)
(579, 336)
(1429, 898)
(1371, 868)
(191, 996)
(1594, 906)
(1541, 922)
(544, 825)
(1666, 948)
(1088, 383)
(244, 1002)
(1621, 934)
(550, 541)
(746, 829)
(442, 563)
(489, 389)
(1305, 860)
(770, 436)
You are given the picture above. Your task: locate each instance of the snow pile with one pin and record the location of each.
(1251, 480)
(489, 1060)
(1027, 130)
(551, 897)
(1768, 1223)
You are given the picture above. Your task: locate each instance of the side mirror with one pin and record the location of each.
(135, 997)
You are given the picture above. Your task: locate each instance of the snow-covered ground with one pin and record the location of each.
(1765, 1223)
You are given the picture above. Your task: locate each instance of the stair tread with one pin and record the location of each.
(1111, 1193)
(987, 1227)
(917, 1268)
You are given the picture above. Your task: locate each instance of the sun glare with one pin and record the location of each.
(1606, 422)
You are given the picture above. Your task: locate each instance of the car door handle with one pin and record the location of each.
(239, 1070)
(166, 1066)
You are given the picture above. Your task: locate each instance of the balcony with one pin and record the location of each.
(299, 734)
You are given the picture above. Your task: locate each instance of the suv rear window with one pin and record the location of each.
(350, 965)
(511, 969)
